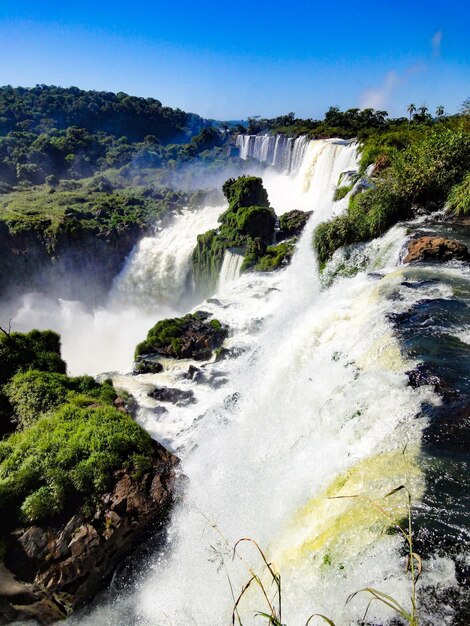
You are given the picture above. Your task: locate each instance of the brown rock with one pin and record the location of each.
(436, 249)
(49, 572)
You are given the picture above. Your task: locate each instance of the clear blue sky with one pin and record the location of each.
(229, 60)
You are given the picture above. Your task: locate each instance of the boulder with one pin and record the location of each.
(436, 249)
(49, 571)
(193, 336)
(147, 364)
(180, 397)
(292, 223)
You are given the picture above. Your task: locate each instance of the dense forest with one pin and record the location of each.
(49, 131)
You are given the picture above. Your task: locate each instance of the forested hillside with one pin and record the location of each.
(71, 133)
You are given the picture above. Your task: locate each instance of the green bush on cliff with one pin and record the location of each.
(422, 174)
(20, 352)
(34, 393)
(63, 459)
(71, 438)
(341, 192)
(458, 201)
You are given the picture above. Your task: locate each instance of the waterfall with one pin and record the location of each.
(282, 152)
(230, 270)
(311, 423)
(156, 272)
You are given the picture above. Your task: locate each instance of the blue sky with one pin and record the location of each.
(228, 60)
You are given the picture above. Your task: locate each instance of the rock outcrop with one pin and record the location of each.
(180, 397)
(193, 336)
(436, 249)
(49, 571)
(292, 223)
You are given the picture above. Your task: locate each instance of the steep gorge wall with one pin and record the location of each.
(78, 263)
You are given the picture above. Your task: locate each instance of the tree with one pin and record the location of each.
(423, 110)
(465, 107)
(439, 111)
(411, 110)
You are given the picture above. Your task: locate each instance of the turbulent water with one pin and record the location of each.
(295, 439)
(230, 270)
(155, 283)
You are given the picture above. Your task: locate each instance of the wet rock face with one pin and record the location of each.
(147, 364)
(436, 249)
(50, 571)
(180, 397)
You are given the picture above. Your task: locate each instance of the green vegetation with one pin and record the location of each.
(420, 170)
(341, 192)
(458, 200)
(336, 123)
(272, 259)
(247, 220)
(89, 209)
(34, 393)
(191, 336)
(63, 459)
(49, 131)
(20, 352)
(69, 440)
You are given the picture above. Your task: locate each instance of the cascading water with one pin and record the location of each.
(284, 153)
(230, 270)
(291, 442)
(156, 272)
(152, 285)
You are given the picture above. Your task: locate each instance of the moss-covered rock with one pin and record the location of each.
(271, 259)
(248, 217)
(193, 336)
(245, 191)
(292, 223)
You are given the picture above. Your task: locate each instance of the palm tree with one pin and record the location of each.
(439, 111)
(411, 109)
(423, 110)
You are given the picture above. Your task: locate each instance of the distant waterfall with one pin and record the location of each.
(282, 152)
(230, 270)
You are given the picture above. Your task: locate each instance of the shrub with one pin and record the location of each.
(458, 201)
(66, 457)
(423, 173)
(341, 192)
(273, 258)
(33, 393)
(20, 352)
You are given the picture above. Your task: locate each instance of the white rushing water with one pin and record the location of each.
(290, 442)
(284, 153)
(230, 270)
(154, 284)
(158, 269)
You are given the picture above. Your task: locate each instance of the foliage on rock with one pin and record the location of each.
(248, 217)
(421, 175)
(191, 336)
